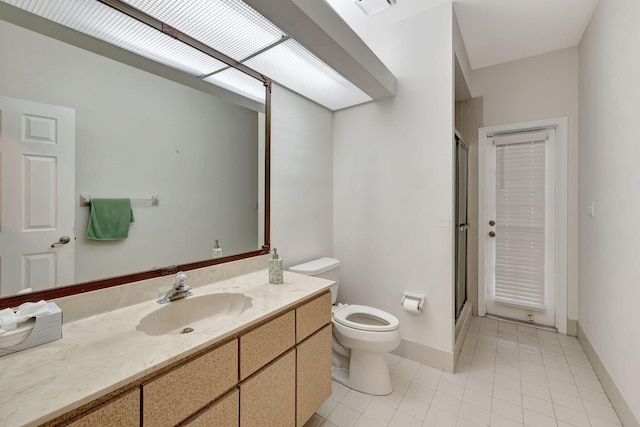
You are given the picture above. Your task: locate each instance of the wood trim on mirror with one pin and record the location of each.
(64, 291)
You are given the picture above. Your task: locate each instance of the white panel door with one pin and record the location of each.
(521, 216)
(37, 187)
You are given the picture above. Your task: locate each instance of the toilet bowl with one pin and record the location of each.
(368, 334)
(362, 336)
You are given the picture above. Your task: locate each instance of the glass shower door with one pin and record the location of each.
(461, 225)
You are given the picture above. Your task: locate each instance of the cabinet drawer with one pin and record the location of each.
(313, 385)
(268, 399)
(181, 392)
(123, 411)
(223, 413)
(265, 343)
(312, 316)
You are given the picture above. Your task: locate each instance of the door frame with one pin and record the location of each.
(561, 210)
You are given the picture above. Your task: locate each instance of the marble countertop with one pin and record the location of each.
(100, 354)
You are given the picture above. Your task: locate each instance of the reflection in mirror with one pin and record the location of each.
(136, 134)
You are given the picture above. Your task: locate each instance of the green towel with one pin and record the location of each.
(109, 219)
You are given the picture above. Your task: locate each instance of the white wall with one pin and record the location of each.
(463, 70)
(301, 178)
(609, 176)
(540, 87)
(393, 183)
(123, 149)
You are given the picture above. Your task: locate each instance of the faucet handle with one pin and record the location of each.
(181, 278)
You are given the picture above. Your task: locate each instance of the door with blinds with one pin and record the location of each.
(519, 243)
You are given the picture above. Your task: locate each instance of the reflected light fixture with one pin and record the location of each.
(240, 35)
(369, 7)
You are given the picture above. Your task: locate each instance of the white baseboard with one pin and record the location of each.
(618, 401)
(435, 357)
(430, 356)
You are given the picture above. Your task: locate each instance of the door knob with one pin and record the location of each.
(492, 234)
(62, 241)
(492, 223)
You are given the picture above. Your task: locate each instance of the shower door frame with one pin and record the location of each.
(461, 228)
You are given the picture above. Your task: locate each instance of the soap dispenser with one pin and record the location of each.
(216, 251)
(275, 268)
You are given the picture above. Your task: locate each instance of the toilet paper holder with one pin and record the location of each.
(413, 296)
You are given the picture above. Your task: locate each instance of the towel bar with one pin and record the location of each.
(85, 200)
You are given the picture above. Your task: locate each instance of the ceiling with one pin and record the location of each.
(494, 31)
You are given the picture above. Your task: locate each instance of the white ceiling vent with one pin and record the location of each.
(369, 7)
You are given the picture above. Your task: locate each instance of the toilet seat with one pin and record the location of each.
(364, 318)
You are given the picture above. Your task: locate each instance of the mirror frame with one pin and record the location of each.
(52, 29)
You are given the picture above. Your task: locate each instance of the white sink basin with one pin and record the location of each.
(174, 317)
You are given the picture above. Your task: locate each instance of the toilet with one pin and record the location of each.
(362, 336)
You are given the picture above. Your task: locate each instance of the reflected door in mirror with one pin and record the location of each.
(37, 166)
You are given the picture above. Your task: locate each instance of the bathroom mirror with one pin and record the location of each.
(193, 157)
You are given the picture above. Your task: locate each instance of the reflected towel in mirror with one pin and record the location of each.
(109, 219)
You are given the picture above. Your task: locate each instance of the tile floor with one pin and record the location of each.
(507, 375)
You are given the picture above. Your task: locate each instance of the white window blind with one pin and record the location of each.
(520, 219)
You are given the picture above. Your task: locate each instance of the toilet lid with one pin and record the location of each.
(365, 318)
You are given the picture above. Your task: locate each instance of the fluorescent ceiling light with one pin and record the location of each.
(240, 83)
(107, 24)
(369, 7)
(229, 26)
(294, 67)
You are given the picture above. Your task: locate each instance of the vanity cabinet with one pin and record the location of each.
(274, 374)
(122, 411)
(313, 356)
(268, 399)
(289, 390)
(312, 316)
(183, 391)
(266, 342)
(313, 385)
(222, 413)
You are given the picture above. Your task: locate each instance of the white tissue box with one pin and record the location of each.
(35, 331)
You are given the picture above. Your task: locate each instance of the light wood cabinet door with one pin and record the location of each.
(266, 342)
(313, 385)
(223, 413)
(124, 411)
(312, 316)
(183, 391)
(268, 399)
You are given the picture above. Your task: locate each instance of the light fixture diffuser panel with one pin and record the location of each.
(240, 83)
(369, 7)
(229, 26)
(294, 67)
(107, 24)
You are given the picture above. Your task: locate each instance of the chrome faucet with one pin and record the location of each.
(179, 290)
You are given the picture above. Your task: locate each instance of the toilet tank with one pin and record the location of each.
(325, 268)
